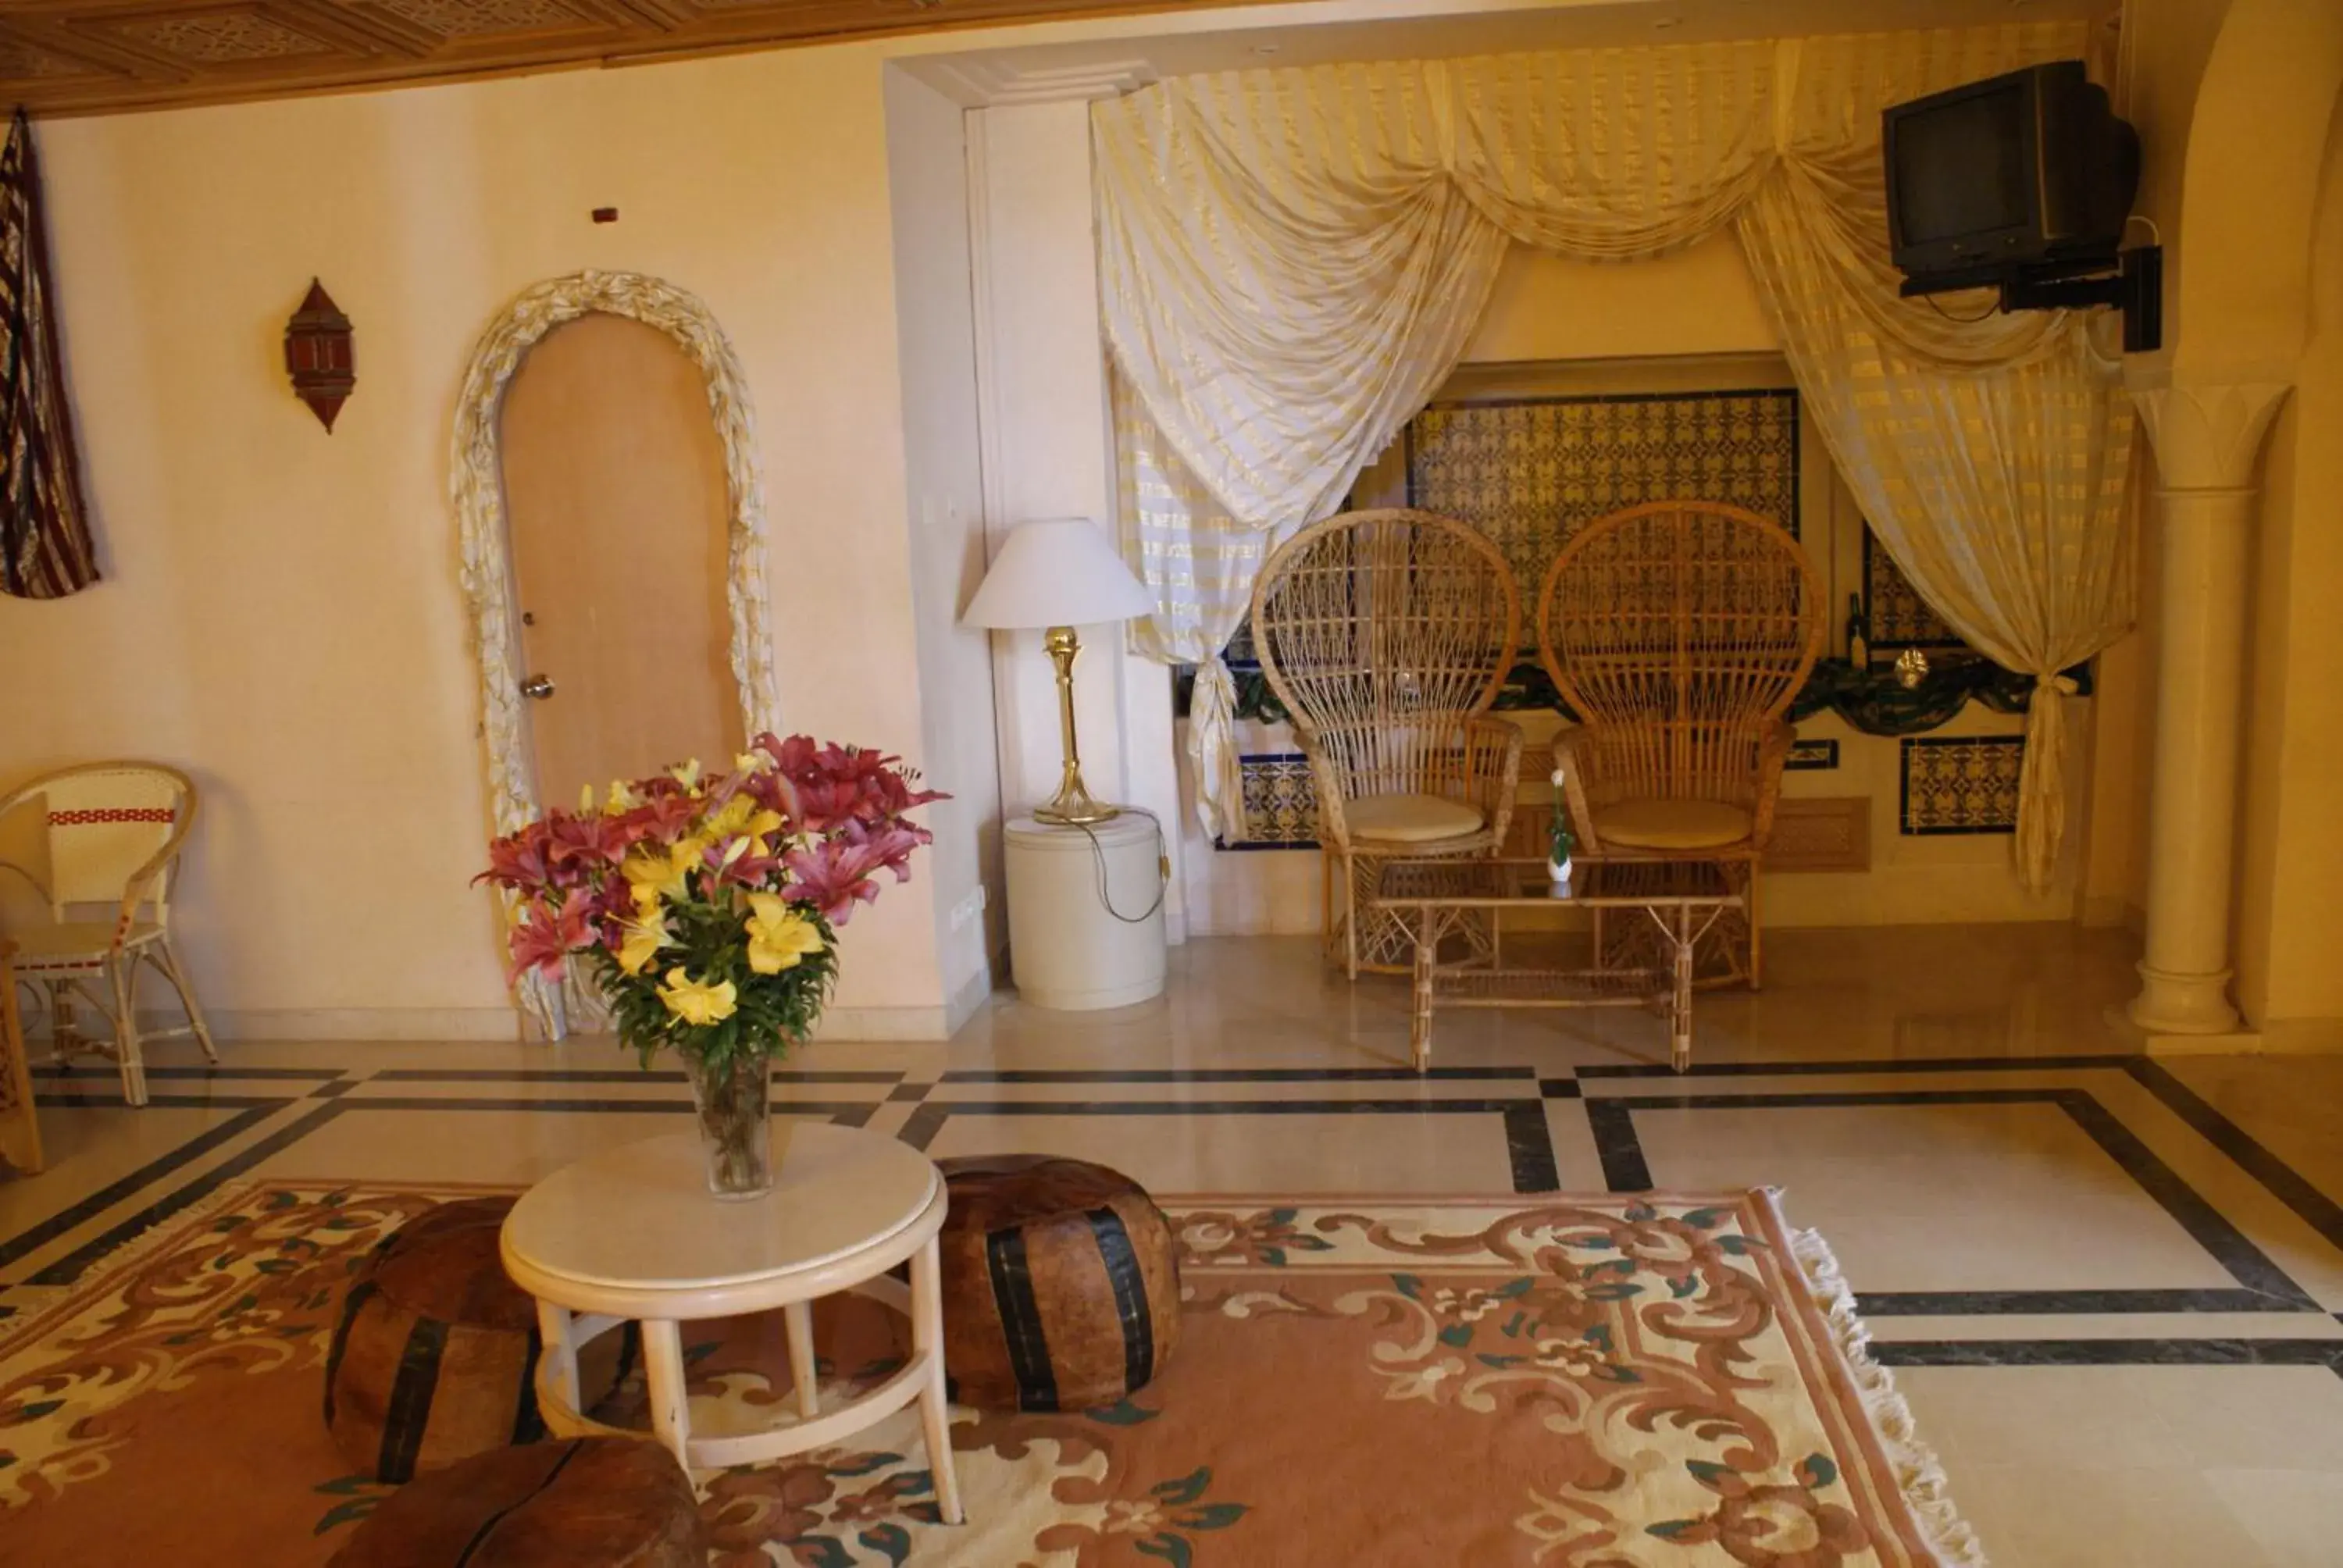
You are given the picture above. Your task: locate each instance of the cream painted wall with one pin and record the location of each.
(2290, 904)
(927, 158)
(282, 615)
(1699, 300)
(1049, 454)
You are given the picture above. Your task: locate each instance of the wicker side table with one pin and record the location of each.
(1438, 898)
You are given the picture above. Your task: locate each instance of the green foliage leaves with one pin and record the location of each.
(771, 1012)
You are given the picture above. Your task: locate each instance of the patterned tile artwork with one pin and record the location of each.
(1961, 784)
(1815, 755)
(1280, 807)
(1528, 472)
(1894, 616)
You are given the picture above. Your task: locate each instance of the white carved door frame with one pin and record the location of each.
(477, 490)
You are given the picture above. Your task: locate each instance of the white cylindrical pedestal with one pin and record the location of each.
(1067, 948)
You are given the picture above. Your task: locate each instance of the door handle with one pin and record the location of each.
(537, 687)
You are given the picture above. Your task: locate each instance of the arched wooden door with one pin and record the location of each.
(615, 498)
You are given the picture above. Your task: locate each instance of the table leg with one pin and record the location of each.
(559, 1352)
(663, 1371)
(1427, 953)
(935, 1414)
(800, 1318)
(1680, 1003)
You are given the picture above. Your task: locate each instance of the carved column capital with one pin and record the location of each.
(2208, 435)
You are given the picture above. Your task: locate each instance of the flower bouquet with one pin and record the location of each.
(704, 907)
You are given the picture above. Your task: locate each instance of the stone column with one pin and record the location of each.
(2207, 439)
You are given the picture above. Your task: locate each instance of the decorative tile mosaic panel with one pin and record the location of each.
(1813, 756)
(1961, 783)
(1894, 616)
(1528, 472)
(1820, 833)
(1281, 805)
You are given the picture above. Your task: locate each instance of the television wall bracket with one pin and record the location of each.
(2131, 282)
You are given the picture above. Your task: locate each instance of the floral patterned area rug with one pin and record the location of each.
(1604, 1382)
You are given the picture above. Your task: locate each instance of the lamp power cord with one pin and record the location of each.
(1163, 870)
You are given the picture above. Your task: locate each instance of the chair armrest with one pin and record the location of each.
(1773, 743)
(31, 880)
(1333, 827)
(1575, 758)
(157, 866)
(1492, 772)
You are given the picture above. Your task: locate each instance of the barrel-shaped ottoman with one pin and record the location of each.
(588, 1503)
(435, 1351)
(1060, 1284)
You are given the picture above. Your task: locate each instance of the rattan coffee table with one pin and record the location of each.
(1436, 899)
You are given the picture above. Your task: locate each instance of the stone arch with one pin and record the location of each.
(2249, 189)
(477, 490)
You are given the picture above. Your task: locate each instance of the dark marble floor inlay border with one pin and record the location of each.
(1242, 1075)
(1529, 1146)
(2321, 1212)
(1625, 1169)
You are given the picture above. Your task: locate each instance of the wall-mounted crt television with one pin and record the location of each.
(2019, 170)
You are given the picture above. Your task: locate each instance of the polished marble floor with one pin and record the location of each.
(2109, 1285)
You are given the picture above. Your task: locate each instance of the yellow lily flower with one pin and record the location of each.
(730, 819)
(645, 935)
(779, 937)
(663, 874)
(750, 762)
(687, 774)
(622, 799)
(697, 1003)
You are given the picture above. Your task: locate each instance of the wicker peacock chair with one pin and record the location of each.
(1679, 632)
(1385, 634)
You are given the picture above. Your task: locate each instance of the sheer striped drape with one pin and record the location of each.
(1292, 262)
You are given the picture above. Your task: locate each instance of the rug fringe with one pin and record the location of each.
(1917, 1468)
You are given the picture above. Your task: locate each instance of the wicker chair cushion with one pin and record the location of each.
(1671, 824)
(73, 946)
(1409, 819)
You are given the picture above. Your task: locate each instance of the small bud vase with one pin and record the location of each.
(734, 1099)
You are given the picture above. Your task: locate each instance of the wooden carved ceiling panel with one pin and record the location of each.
(82, 56)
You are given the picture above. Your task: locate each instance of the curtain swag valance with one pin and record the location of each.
(1292, 262)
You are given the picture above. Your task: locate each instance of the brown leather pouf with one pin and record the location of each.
(434, 1355)
(587, 1503)
(1060, 1284)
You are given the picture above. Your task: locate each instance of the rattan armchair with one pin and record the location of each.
(1385, 634)
(1679, 632)
(115, 832)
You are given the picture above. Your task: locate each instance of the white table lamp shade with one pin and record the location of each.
(1059, 572)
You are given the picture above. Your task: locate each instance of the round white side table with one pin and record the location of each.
(1067, 948)
(633, 1234)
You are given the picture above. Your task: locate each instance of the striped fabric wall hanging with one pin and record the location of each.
(46, 548)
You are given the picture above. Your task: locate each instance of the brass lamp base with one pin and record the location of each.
(1073, 805)
(1075, 811)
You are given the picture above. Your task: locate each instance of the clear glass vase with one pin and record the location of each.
(735, 1109)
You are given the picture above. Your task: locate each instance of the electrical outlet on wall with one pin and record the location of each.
(968, 909)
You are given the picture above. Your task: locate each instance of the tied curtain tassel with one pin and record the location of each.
(1292, 262)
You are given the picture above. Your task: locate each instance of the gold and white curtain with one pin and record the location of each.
(1292, 262)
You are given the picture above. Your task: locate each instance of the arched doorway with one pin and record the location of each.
(485, 536)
